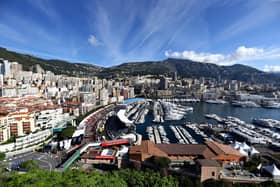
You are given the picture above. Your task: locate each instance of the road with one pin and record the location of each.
(45, 160)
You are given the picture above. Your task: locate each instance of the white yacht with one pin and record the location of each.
(245, 104)
(216, 101)
(271, 104)
(270, 123)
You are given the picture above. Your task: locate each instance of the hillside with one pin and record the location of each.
(184, 68)
(56, 66)
(188, 68)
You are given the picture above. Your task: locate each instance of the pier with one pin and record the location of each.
(157, 134)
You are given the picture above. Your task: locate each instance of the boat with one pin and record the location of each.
(271, 104)
(174, 111)
(214, 116)
(245, 104)
(216, 101)
(270, 123)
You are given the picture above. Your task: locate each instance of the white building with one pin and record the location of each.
(51, 118)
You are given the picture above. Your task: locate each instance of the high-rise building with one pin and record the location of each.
(163, 84)
(1, 80)
(15, 68)
(174, 78)
(6, 67)
(2, 68)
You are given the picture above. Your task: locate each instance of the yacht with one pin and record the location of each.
(216, 101)
(271, 104)
(214, 116)
(245, 104)
(270, 123)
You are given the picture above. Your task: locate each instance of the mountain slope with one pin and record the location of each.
(184, 68)
(188, 68)
(56, 66)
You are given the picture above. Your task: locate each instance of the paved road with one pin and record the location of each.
(45, 160)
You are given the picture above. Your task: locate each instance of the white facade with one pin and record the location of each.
(52, 118)
(26, 141)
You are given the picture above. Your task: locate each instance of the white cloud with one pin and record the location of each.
(268, 68)
(92, 40)
(242, 53)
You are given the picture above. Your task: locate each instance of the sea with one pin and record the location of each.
(197, 116)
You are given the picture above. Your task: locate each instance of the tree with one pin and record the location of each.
(160, 162)
(2, 156)
(30, 165)
(67, 132)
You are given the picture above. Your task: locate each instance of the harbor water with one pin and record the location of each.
(197, 116)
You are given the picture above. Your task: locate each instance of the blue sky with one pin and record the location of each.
(110, 32)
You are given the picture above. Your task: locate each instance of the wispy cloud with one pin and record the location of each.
(271, 68)
(140, 32)
(10, 33)
(258, 13)
(92, 40)
(241, 54)
(46, 8)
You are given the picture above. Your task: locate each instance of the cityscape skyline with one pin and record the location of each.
(140, 93)
(110, 33)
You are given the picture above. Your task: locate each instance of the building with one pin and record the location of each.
(21, 122)
(225, 154)
(15, 68)
(4, 128)
(212, 155)
(174, 76)
(1, 78)
(103, 96)
(24, 115)
(26, 141)
(16, 124)
(6, 68)
(177, 153)
(163, 84)
(208, 169)
(51, 117)
(147, 149)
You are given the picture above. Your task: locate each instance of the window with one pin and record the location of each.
(213, 174)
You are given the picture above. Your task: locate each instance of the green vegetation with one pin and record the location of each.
(2, 156)
(73, 178)
(116, 178)
(30, 165)
(66, 133)
(187, 68)
(56, 66)
(252, 164)
(160, 162)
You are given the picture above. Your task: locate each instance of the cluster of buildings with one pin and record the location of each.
(80, 94)
(37, 100)
(23, 119)
(205, 89)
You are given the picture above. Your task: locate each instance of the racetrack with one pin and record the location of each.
(45, 160)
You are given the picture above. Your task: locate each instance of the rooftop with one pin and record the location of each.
(186, 149)
(218, 148)
(208, 163)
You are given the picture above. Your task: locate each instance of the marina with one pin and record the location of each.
(182, 135)
(137, 112)
(157, 134)
(158, 112)
(263, 133)
(207, 115)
